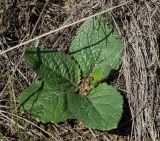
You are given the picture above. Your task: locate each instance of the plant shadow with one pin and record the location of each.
(125, 124)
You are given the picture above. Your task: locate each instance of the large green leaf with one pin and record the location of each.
(55, 68)
(96, 48)
(45, 104)
(101, 109)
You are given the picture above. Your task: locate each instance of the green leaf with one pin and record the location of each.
(101, 109)
(55, 68)
(45, 104)
(96, 48)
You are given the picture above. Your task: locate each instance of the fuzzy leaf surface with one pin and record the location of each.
(56, 68)
(96, 48)
(101, 109)
(45, 104)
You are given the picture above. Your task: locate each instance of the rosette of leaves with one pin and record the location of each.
(70, 85)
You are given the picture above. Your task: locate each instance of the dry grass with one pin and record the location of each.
(142, 66)
(137, 22)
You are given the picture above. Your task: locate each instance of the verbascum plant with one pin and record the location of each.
(71, 86)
